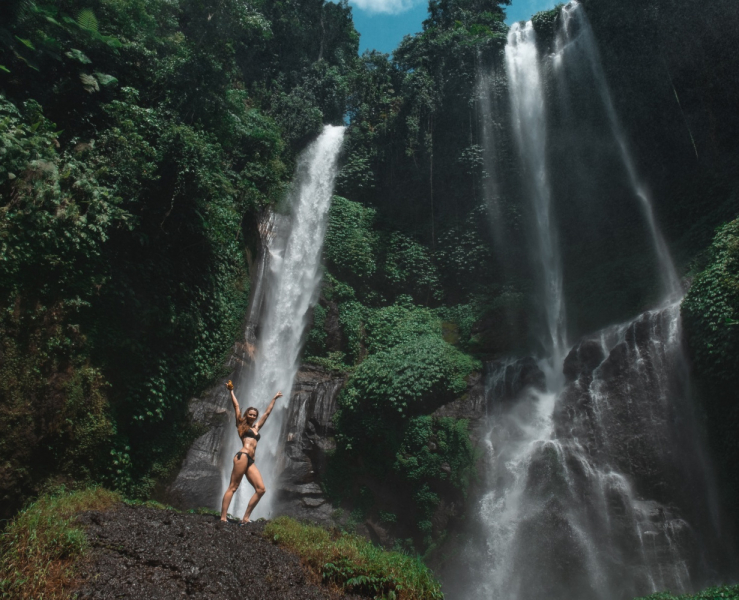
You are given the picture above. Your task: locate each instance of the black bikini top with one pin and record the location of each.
(251, 434)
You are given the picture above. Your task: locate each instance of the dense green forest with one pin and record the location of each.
(141, 140)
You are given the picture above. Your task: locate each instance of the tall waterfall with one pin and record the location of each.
(292, 286)
(595, 485)
(529, 126)
(576, 44)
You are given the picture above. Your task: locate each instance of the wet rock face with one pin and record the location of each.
(583, 359)
(506, 380)
(140, 553)
(309, 437)
(626, 404)
(198, 484)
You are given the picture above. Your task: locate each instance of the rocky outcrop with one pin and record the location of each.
(308, 437)
(198, 483)
(598, 488)
(141, 553)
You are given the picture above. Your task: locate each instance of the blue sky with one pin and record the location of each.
(383, 23)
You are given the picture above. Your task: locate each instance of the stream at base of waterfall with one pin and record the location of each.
(291, 289)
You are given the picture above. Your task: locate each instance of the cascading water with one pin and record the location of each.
(576, 45)
(291, 290)
(529, 126)
(596, 485)
(600, 491)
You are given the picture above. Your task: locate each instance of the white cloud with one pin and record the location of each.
(391, 7)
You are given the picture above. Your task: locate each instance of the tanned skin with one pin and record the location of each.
(241, 463)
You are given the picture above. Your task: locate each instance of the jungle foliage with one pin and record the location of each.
(710, 314)
(355, 565)
(139, 140)
(402, 368)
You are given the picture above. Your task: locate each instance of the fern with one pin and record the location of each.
(86, 19)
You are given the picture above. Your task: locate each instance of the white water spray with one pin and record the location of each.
(291, 291)
(529, 125)
(576, 42)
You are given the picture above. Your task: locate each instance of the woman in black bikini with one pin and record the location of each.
(244, 459)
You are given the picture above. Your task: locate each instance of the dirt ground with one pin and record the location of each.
(149, 554)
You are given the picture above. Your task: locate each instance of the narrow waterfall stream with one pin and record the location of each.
(576, 44)
(291, 290)
(529, 126)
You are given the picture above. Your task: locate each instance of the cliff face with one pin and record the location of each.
(309, 437)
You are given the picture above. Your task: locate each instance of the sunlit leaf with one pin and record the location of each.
(106, 80)
(89, 83)
(78, 55)
(26, 43)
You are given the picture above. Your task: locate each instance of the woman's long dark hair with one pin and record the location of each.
(241, 423)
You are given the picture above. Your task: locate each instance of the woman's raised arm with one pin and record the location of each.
(237, 410)
(269, 410)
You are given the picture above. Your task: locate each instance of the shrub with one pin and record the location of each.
(412, 378)
(354, 564)
(715, 593)
(39, 549)
(711, 309)
(351, 242)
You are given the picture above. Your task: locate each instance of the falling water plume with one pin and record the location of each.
(292, 286)
(576, 42)
(529, 125)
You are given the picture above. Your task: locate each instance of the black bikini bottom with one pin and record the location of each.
(249, 459)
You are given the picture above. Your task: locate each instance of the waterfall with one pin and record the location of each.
(292, 287)
(576, 44)
(486, 105)
(595, 484)
(529, 126)
(599, 491)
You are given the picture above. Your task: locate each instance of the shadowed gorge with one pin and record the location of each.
(494, 273)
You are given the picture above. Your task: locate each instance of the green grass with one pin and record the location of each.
(355, 565)
(730, 592)
(40, 547)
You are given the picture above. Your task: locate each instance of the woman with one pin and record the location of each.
(244, 459)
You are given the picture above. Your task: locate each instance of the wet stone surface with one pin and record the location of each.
(144, 553)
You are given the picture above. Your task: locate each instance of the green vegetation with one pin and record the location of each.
(710, 314)
(39, 548)
(355, 565)
(139, 140)
(402, 367)
(715, 593)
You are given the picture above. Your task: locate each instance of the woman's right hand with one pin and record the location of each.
(230, 385)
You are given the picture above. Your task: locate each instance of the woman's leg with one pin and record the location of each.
(254, 477)
(237, 473)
